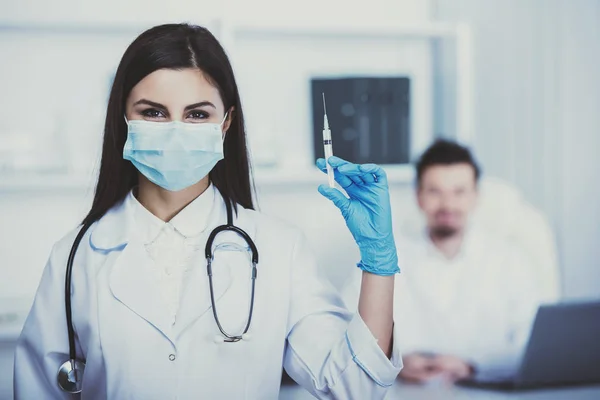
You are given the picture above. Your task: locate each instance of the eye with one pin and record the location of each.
(197, 115)
(152, 113)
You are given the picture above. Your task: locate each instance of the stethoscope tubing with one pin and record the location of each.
(209, 258)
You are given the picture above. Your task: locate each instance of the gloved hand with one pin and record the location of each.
(367, 212)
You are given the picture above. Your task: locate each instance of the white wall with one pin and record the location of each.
(537, 93)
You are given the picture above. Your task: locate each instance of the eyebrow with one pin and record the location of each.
(187, 108)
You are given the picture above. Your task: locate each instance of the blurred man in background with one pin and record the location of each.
(466, 298)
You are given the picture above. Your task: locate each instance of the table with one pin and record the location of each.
(411, 392)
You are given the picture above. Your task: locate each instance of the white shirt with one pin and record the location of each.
(173, 245)
(478, 305)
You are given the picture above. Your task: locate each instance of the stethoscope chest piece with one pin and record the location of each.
(70, 376)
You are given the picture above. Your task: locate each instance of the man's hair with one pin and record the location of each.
(445, 152)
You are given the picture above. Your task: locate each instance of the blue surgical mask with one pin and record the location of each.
(173, 155)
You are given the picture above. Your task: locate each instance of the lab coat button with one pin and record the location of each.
(172, 357)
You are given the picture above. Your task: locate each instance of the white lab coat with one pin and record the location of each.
(479, 305)
(133, 352)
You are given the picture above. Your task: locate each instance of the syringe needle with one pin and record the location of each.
(325, 120)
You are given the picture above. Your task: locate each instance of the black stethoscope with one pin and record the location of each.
(70, 373)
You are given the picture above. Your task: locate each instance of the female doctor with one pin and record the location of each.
(177, 288)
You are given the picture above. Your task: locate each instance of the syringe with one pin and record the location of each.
(328, 146)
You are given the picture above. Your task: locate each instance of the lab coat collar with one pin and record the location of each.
(194, 218)
(133, 282)
(113, 231)
(191, 221)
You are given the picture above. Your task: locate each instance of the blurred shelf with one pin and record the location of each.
(282, 176)
(263, 177)
(397, 174)
(421, 30)
(13, 312)
(31, 182)
(10, 334)
(400, 174)
(238, 28)
(123, 27)
(70, 28)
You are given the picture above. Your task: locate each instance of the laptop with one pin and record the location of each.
(563, 350)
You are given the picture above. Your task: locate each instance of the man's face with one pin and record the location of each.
(446, 195)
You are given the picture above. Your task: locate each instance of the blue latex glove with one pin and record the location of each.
(367, 212)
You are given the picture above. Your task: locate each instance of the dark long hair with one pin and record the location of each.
(172, 46)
